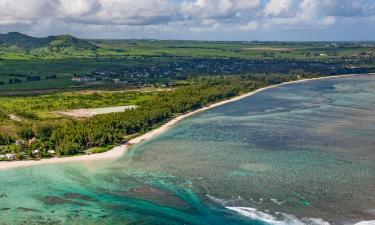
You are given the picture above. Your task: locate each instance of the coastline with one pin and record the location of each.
(120, 150)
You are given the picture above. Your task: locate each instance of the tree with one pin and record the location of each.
(5, 139)
(25, 132)
(44, 131)
(3, 115)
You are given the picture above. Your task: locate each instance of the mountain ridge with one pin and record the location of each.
(58, 42)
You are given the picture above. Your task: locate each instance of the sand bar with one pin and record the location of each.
(119, 151)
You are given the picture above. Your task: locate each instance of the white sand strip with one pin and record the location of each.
(85, 113)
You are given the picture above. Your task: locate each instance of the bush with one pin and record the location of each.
(5, 139)
(26, 132)
(44, 131)
(3, 115)
(27, 115)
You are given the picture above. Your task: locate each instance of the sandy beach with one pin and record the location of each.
(119, 151)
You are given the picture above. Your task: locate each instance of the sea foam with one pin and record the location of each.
(255, 214)
(279, 219)
(371, 222)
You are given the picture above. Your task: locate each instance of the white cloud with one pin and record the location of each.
(217, 9)
(179, 16)
(310, 14)
(24, 9)
(252, 25)
(130, 12)
(278, 7)
(77, 8)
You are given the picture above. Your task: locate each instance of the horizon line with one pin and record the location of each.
(197, 40)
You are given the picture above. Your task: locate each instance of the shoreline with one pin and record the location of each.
(120, 150)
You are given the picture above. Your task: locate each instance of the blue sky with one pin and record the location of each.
(301, 20)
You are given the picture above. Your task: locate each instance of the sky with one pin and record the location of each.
(244, 20)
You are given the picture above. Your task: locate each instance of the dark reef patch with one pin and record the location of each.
(53, 200)
(79, 196)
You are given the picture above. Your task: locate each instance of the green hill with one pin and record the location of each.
(15, 41)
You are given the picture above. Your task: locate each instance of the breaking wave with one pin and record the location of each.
(371, 222)
(278, 219)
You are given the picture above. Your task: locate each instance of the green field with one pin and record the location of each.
(247, 50)
(155, 62)
(75, 100)
(39, 109)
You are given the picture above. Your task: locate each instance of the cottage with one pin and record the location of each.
(51, 152)
(20, 142)
(83, 79)
(10, 156)
(31, 141)
(117, 81)
(76, 79)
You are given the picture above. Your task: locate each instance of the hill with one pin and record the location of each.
(22, 42)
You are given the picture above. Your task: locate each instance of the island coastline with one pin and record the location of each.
(120, 150)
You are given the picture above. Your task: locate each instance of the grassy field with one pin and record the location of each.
(74, 100)
(246, 50)
(125, 56)
(38, 109)
(63, 82)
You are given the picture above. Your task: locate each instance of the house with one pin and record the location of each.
(82, 79)
(10, 156)
(20, 142)
(118, 81)
(51, 152)
(31, 141)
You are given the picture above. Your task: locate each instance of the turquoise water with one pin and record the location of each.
(297, 154)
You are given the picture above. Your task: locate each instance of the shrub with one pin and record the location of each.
(5, 139)
(44, 131)
(26, 132)
(3, 115)
(27, 115)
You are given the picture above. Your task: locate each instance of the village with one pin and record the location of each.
(23, 152)
(182, 68)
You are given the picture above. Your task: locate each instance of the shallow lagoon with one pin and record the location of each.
(294, 153)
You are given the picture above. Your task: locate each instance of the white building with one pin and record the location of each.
(10, 156)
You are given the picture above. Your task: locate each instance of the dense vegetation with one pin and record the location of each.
(70, 137)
